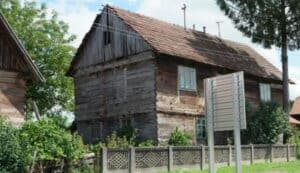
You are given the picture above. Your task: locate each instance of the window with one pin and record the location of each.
(200, 128)
(120, 85)
(107, 37)
(96, 128)
(187, 78)
(125, 122)
(265, 92)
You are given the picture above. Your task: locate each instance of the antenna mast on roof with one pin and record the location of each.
(219, 27)
(184, 19)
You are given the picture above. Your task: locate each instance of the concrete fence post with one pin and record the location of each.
(229, 155)
(251, 154)
(170, 158)
(288, 152)
(202, 157)
(271, 153)
(131, 160)
(104, 160)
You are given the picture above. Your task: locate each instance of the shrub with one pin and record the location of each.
(11, 156)
(123, 138)
(296, 140)
(129, 133)
(268, 122)
(179, 138)
(46, 143)
(146, 143)
(114, 141)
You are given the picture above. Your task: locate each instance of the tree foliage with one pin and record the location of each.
(268, 22)
(11, 155)
(50, 142)
(48, 42)
(263, 20)
(268, 122)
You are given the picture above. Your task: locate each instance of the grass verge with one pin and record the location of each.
(282, 167)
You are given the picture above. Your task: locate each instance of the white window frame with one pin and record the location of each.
(187, 79)
(200, 126)
(265, 92)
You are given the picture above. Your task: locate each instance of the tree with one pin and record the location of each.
(265, 126)
(268, 22)
(48, 42)
(11, 155)
(46, 143)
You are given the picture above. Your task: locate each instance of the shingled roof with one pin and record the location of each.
(174, 40)
(296, 107)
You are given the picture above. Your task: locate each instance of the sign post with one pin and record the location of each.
(225, 110)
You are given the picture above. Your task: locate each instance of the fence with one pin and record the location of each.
(157, 159)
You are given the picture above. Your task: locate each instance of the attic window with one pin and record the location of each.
(107, 37)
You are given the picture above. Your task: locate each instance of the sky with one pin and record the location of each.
(79, 14)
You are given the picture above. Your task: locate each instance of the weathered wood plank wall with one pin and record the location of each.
(124, 41)
(10, 59)
(12, 96)
(122, 92)
(180, 108)
(114, 81)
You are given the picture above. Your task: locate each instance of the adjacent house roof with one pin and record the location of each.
(296, 107)
(170, 39)
(34, 71)
(293, 121)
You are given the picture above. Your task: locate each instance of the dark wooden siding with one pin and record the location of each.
(179, 108)
(124, 42)
(13, 76)
(10, 59)
(107, 96)
(114, 81)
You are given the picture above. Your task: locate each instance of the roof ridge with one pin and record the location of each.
(176, 25)
(167, 38)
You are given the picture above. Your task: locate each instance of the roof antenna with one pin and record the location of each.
(219, 27)
(184, 19)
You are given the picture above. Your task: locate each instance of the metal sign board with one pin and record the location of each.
(225, 110)
(225, 94)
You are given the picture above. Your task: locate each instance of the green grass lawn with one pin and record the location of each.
(283, 167)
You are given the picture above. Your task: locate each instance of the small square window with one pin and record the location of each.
(187, 78)
(200, 128)
(265, 92)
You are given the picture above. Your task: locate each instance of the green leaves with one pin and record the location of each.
(262, 21)
(267, 124)
(47, 40)
(11, 155)
(50, 141)
(179, 138)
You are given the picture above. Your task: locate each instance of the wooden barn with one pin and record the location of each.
(135, 70)
(16, 71)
